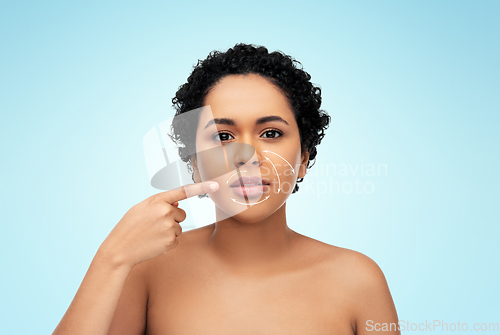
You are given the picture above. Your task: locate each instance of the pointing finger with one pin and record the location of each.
(189, 190)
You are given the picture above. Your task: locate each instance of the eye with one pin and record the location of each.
(272, 133)
(221, 136)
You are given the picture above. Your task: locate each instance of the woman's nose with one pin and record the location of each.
(245, 154)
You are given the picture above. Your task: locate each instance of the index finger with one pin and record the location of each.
(190, 190)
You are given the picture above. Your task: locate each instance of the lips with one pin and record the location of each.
(249, 182)
(250, 187)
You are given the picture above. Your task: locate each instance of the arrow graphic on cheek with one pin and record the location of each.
(249, 204)
(293, 170)
(277, 174)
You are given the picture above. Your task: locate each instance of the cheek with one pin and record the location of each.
(282, 168)
(212, 162)
(210, 169)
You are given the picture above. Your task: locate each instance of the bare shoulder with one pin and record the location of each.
(350, 268)
(357, 280)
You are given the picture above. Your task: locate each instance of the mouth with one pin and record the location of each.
(250, 186)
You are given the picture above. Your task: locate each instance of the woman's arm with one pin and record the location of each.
(375, 310)
(148, 230)
(131, 311)
(94, 304)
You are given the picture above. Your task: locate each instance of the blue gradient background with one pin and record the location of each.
(413, 85)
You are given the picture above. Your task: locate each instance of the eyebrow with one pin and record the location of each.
(231, 122)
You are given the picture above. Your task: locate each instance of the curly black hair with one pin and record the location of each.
(282, 70)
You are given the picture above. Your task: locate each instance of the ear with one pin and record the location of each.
(303, 164)
(196, 172)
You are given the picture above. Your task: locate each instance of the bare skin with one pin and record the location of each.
(248, 273)
(314, 288)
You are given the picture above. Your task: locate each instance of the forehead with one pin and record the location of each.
(246, 98)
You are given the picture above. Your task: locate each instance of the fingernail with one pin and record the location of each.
(214, 186)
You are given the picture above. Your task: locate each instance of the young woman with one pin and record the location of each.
(247, 273)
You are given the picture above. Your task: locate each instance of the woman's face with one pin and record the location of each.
(255, 140)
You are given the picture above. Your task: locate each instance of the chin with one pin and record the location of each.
(248, 214)
(253, 215)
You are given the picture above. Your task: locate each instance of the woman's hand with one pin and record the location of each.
(151, 227)
(147, 230)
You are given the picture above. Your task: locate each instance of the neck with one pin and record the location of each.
(250, 245)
